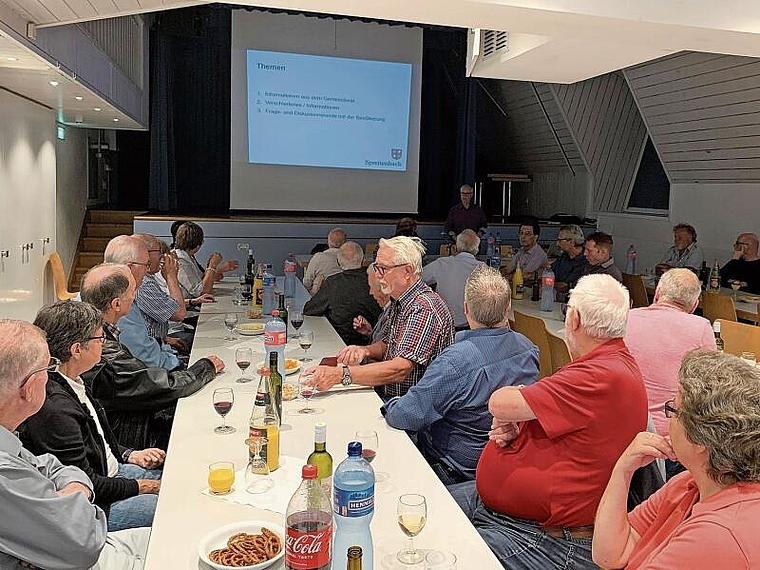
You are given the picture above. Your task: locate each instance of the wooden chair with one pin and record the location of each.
(59, 278)
(717, 306)
(738, 337)
(637, 289)
(559, 351)
(535, 329)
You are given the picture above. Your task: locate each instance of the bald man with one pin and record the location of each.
(744, 265)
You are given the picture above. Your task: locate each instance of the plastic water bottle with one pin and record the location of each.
(269, 281)
(491, 245)
(354, 506)
(495, 259)
(547, 290)
(630, 265)
(290, 275)
(275, 339)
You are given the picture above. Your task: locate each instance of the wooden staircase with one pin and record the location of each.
(98, 228)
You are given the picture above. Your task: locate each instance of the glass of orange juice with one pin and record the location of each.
(221, 476)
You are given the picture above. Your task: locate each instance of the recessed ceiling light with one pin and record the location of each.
(54, 83)
(78, 97)
(115, 120)
(97, 109)
(12, 59)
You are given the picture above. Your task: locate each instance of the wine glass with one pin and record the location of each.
(230, 321)
(296, 319)
(440, 560)
(735, 285)
(223, 400)
(370, 446)
(305, 340)
(307, 389)
(243, 360)
(412, 514)
(257, 474)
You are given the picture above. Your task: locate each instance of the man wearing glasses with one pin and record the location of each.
(572, 263)
(49, 520)
(419, 327)
(531, 256)
(744, 266)
(465, 215)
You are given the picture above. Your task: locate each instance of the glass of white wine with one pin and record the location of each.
(412, 515)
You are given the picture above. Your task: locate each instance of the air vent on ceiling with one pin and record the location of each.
(494, 41)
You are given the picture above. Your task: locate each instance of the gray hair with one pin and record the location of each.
(602, 304)
(336, 238)
(406, 250)
(104, 283)
(573, 231)
(468, 241)
(21, 347)
(123, 249)
(679, 286)
(487, 295)
(148, 240)
(67, 323)
(350, 255)
(719, 410)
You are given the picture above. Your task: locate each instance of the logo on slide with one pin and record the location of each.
(395, 153)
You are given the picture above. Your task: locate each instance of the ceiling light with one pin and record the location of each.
(54, 83)
(12, 59)
(78, 97)
(115, 120)
(97, 109)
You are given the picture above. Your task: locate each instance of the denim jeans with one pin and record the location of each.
(519, 543)
(136, 511)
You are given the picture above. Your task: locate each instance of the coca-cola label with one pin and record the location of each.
(354, 503)
(275, 338)
(308, 550)
(547, 281)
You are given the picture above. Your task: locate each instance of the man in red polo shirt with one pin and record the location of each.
(554, 443)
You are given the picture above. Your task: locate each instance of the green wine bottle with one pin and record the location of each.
(321, 458)
(275, 380)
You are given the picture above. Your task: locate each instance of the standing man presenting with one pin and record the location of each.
(465, 215)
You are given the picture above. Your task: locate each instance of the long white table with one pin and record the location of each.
(184, 515)
(554, 319)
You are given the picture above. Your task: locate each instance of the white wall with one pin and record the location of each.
(71, 195)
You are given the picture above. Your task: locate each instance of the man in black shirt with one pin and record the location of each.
(465, 215)
(744, 265)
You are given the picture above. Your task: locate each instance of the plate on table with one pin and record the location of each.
(292, 366)
(218, 538)
(749, 298)
(251, 329)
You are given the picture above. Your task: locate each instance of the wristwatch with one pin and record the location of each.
(346, 380)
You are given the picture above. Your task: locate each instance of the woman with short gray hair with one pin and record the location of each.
(706, 516)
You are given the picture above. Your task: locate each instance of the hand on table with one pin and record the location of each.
(323, 377)
(362, 326)
(149, 458)
(205, 298)
(217, 362)
(148, 486)
(645, 448)
(75, 487)
(352, 355)
(503, 432)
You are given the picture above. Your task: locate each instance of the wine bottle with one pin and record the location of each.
(321, 458)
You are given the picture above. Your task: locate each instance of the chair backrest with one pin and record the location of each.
(559, 351)
(59, 278)
(445, 249)
(738, 337)
(637, 290)
(370, 249)
(717, 306)
(535, 329)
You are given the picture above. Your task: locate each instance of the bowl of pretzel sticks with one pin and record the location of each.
(244, 545)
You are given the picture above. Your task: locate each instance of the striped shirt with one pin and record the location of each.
(156, 306)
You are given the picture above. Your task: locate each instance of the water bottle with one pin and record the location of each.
(354, 506)
(269, 281)
(547, 290)
(491, 245)
(275, 339)
(630, 266)
(290, 275)
(495, 259)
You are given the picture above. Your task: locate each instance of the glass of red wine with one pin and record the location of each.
(370, 445)
(296, 320)
(223, 400)
(243, 360)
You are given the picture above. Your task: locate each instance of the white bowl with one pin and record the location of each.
(218, 539)
(250, 329)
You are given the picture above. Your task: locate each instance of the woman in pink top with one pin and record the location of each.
(709, 516)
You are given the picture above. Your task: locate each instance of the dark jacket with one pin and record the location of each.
(342, 297)
(64, 427)
(139, 400)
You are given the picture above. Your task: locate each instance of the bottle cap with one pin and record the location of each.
(264, 371)
(275, 313)
(309, 471)
(355, 449)
(320, 432)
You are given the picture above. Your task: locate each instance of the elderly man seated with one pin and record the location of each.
(684, 252)
(48, 519)
(362, 325)
(324, 263)
(139, 399)
(73, 426)
(554, 443)
(572, 263)
(346, 295)
(449, 274)
(706, 517)
(744, 265)
(419, 327)
(448, 408)
(598, 253)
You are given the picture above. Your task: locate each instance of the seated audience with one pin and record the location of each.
(406, 227)
(362, 325)
(744, 266)
(449, 274)
(465, 215)
(684, 252)
(530, 257)
(139, 399)
(419, 327)
(173, 230)
(345, 295)
(554, 443)
(448, 408)
(324, 263)
(572, 263)
(598, 253)
(72, 425)
(48, 518)
(706, 517)
(194, 279)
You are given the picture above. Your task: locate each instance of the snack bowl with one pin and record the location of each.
(218, 538)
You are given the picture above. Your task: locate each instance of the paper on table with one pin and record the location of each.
(286, 480)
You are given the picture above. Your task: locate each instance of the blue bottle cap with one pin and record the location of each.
(355, 449)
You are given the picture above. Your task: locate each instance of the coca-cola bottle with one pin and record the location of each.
(308, 544)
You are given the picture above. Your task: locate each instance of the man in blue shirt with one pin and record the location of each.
(448, 408)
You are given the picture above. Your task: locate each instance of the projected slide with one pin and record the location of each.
(307, 110)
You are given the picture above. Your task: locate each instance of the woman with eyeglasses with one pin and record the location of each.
(708, 516)
(194, 279)
(73, 426)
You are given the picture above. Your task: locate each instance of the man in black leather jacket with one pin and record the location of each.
(139, 400)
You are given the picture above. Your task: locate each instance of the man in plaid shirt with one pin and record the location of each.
(419, 327)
